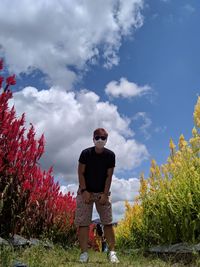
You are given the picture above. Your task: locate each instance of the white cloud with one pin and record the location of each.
(72, 188)
(68, 120)
(121, 190)
(125, 89)
(57, 37)
(124, 189)
(53, 36)
(144, 128)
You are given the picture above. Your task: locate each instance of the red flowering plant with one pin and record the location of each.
(49, 212)
(30, 200)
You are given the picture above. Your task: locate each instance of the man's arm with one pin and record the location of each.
(82, 184)
(104, 196)
(108, 181)
(81, 178)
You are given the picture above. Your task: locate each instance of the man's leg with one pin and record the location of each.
(110, 236)
(105, 213)
(83, 241)
(83, 217)
(83, 238)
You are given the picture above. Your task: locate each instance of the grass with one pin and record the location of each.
(59, 257)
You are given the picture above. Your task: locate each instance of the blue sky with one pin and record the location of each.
(130, 66)
(165, 55)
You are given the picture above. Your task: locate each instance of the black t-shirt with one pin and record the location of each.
(96, 167)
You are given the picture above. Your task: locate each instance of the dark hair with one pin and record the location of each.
(100, 131)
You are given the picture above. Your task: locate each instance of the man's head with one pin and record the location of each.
(100, 137)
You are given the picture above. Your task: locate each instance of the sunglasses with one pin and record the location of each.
(97, 137)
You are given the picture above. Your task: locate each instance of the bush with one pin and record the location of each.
(169, 198)
(30, 201)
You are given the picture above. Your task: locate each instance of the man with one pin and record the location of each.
(95, 170)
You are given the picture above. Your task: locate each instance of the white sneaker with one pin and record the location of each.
(113, 257)
(84, 257)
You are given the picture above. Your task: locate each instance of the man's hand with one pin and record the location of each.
(86, 197)
(103, 199)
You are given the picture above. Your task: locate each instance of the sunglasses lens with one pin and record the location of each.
(100, 137)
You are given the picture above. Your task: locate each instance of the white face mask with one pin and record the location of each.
(100, 143)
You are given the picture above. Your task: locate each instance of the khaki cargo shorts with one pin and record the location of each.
(83, 214)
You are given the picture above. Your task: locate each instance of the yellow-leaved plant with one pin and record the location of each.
(167, 210)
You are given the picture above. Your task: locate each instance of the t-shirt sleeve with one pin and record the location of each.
(82, 158)
(111, 161)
